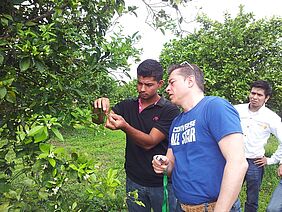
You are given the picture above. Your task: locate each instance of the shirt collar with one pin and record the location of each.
(259, 110)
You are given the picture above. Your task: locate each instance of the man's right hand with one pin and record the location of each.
(102, 103)
(101, 108)
(160, 163)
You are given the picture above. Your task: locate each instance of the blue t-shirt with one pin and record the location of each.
(194, 137)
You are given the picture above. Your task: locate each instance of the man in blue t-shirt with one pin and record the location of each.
(206, 153)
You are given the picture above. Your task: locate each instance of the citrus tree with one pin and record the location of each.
(233, 54)
(55, 56)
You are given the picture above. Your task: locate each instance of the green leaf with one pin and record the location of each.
(43, 155)
(73, 167)
(54, 172)
(8, 81)
(59, 150)
(58, 134)
(3, 42)
(1, 59)
(28, 141)
(35, 130)
(5, 207)
(8, 17)
(25, 63)
(11, 97)
(40, 66)
(41, 136)
(43, 194)
(4, 21)
(74, 205)
(3, 92)
(52, 162)
(44, 147)
(30, 23)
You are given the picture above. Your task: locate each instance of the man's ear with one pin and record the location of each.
(190, 81)
(161, 82)
(266, 99)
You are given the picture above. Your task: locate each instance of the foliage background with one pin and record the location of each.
(57, 56)
(232, 55)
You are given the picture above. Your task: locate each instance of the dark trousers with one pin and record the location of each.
(148, 197)
(253, 181)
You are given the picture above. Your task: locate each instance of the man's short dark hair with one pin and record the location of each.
(150, 68)
(186, 69)
(263, 85)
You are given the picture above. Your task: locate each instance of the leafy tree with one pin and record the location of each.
(53, 52)
(55, 56)
(233, 54)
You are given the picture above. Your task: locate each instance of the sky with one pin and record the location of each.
(152, 40)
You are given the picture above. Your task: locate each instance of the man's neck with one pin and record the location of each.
(150, 101)
(254, 109)
(192, 101)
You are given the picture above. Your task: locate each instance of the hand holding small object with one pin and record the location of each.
(160, 163)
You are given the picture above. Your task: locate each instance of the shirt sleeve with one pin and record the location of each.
(276, 130)
(222, 118)
(120, 107)
(166, 118)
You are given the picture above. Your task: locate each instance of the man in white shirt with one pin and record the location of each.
(258, 123)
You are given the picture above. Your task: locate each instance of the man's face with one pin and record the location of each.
(177, 87)
(257, 98)
(147, 87)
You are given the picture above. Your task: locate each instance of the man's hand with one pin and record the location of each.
(102, 103)
(101, 108)
(116, 122)
(279, 171)
(160, 163)
(261, 161)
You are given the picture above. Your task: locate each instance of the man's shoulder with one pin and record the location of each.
(270, 113)
(124, 105)
(215, 100)
(242, 106)
(166, 103)
(129, 100)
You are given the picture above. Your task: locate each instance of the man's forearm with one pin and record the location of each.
(232, 181)
(140, 138)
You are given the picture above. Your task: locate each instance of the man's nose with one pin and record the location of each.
(167, 89)
(143, 88)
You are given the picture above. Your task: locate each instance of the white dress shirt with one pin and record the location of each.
(257, 128)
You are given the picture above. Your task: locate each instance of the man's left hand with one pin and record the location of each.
(116, 122)
(261, 161)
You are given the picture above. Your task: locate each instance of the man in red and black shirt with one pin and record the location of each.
(146, 121)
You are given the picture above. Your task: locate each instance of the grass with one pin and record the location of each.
(105, 146)
(108, 148)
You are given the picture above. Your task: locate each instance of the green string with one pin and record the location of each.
(165, 207)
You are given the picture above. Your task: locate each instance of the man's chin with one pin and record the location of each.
(144, 97)
(172, 99)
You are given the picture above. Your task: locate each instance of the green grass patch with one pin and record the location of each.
(107, 148)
